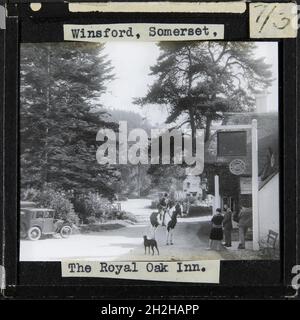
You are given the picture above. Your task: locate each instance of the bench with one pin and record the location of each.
(271, 241)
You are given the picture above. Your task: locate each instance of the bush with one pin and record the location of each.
(94, 205)
(123, 215)
(91, 220)
(53, 199)
(90, 208)
(90, 205)
(120, 215)
(112, 215)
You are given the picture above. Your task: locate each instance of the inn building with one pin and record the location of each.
(228, 167)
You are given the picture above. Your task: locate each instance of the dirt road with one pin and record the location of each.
(190, 241)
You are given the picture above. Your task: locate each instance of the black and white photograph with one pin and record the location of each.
(142, 151)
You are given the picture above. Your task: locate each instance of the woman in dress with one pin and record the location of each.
(171, 220)
(227, 226)
(216, 233)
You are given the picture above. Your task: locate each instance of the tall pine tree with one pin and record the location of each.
(60, 117)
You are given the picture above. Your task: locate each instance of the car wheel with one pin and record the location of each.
(65, 231)
(34, 233)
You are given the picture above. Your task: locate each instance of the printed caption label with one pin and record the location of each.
(207, 271)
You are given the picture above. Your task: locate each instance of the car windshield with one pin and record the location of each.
(39, 214)
(48, 214)
(44, 214)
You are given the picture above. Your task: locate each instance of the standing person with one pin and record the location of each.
(188, 203)
(245, 222)
(171, 221)
(162, 207)
(178, 209)
(154, 223)
(216, 233)
(227, 226)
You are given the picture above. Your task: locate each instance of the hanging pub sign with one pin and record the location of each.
(232, 143)
(237, 167)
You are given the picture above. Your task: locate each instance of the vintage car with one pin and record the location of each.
(35, 222)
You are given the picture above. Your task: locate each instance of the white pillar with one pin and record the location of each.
(217, 193)
(255, 212)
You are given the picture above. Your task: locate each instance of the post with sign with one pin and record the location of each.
(217, 203)
(255, 212)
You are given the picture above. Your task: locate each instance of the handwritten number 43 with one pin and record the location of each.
(269, 11)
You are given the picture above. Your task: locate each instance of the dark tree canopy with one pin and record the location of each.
(198, 81)
(60, 116)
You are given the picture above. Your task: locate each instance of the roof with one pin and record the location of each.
(268, 135)
(269, 178)
(37, 209)
(28, 204)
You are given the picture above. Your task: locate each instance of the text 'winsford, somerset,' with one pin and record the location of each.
(142, 32)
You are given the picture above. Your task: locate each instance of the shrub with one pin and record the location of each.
(29, 194)
(111, 215)
(123, 215)
(91, 220)
(90, 205)
(94, 204)
(53, 199)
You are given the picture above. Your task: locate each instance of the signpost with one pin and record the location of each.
(255, 217)
(217, 203)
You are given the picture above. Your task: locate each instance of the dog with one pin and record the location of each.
(150, 243)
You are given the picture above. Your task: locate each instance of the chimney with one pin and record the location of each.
(261, 101)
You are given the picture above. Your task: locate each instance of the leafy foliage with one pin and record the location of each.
(93, 205)
(60, 115)
(47, 197)
(198, 81)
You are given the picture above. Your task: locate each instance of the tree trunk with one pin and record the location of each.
(193, 129)
(207, 129)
